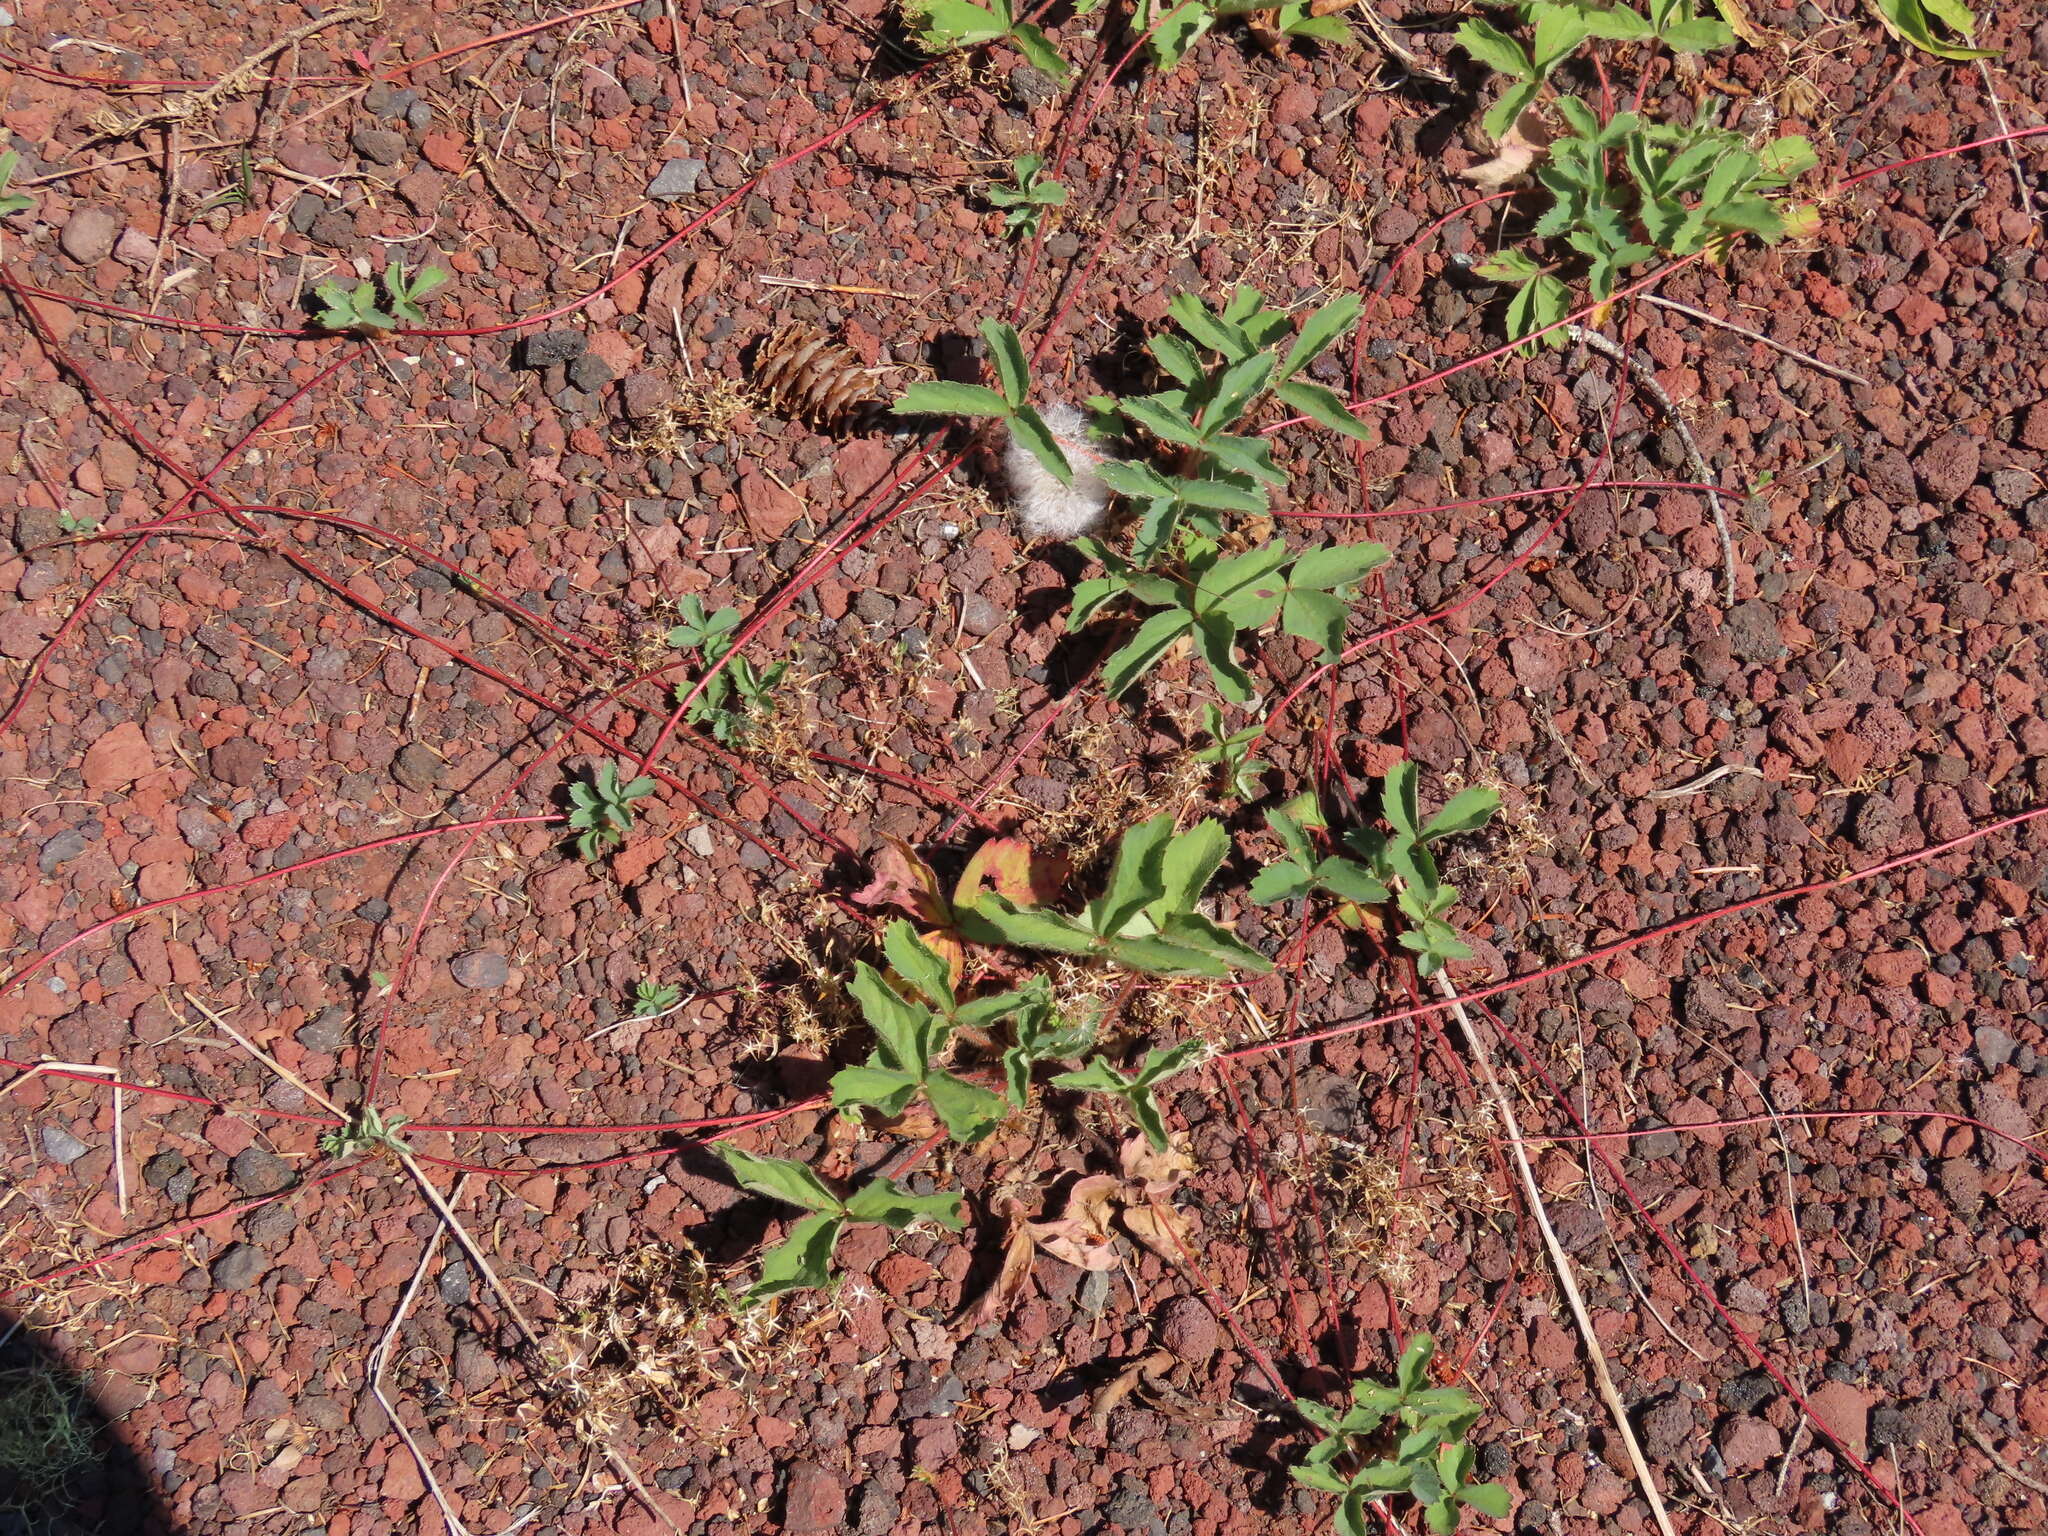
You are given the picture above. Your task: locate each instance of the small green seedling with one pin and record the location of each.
(651, 999)
(1398, 865)
(1135, 1090)
(601, 811)
(46, 1443)
(1040, 1033)
(803, 1260)
(944, 25)
(912, 1039)
(1146, 919)
(1214, 597)
(77, 522)
(11, 202)
(1230, 751)
(738, 694)
(355, 310)
(1027, 201)
(1011, 405)
(1429, 1462)
(369, 1131)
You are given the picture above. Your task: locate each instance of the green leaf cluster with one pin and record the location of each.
(1171, 27)
(803, 1259)
(913, 1036)
(738, 694)
(1134, 1090)
(1378, 865)
(1212, 597)
(1222, 366)
(1926, 23)
(601, 810)
(1025, 202)
(651, 998)
(355, 310)
(1144, 921)
(1683, 188)
(944, 25)
(1430, 1461)
(1010, 404)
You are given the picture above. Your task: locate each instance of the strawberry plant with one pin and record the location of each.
(1010, 405)
(1396, 864)
(803, 1259)
(738, 694)
(912, 1035)
(1683, 188)
(1145, 920)
(1251, 351)
(601, 811)
(1404, 1438)
(355, 310)
(1134, 1090)
(652, 999)
(1170, 29)
(1025, 202)
(1211, 597)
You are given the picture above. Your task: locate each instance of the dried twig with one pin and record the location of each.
(1984, 1444)
(1647, 377)
(380, 1358)
(2019, 171)
(1482, 1059)
(1807, 358)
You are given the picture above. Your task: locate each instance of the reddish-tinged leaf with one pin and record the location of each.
(1156, 1172)
(950, 950)
(903, 880)
(1082, 1236)
(1001, 1297)
(1161, 1228)
(1010, 867)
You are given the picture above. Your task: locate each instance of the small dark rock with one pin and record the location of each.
(416, 767)
(589, 373)
(480, 969)
(61, 850)
(165, 1166)
(238, 1268)
(326, 1032)
(1994, 1046)
(546, 348)
(979, 616)
(259, 1171)
(1752, 631)
(381, 146)
(1748, 1390)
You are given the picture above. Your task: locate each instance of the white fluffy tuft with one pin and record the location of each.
(1045, 508)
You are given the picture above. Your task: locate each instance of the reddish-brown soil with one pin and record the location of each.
(253, 689)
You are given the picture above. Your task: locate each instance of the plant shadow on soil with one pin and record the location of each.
(63, 1470)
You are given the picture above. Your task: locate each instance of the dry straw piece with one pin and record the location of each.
(808, 378)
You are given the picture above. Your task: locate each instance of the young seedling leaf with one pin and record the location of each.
(778, 1178)
(942, 397)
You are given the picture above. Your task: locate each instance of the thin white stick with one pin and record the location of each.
(120, 1158)
(1483, 1059)
(380, 1357)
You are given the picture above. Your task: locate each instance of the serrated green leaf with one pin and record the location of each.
(967, 1111)
(1495, 49)
(1514, 101)
(1162, 421)
(1176, 357)
(881, 1088)
(1202, 323)
(1351, 881)
(1235, 389)
(918, 964)
(1136, 878)
(1144, 649)
(1330, 567)
(1325, 406)
(1466, 811)
(801, 1261)
(901, 1027)
(1029, 428)
(1221, 495)
(1187, 865)
(1191, 930)
(1006, 351)
(887, 1203)
(778, 1178)
(1700, 35)
(1038, 50)
(1250, 456)
(994, 919)
(1490, 1499)
(1316, 617)
(1164, 957)
(942, 397)
(1278, 882)
(946, 24)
